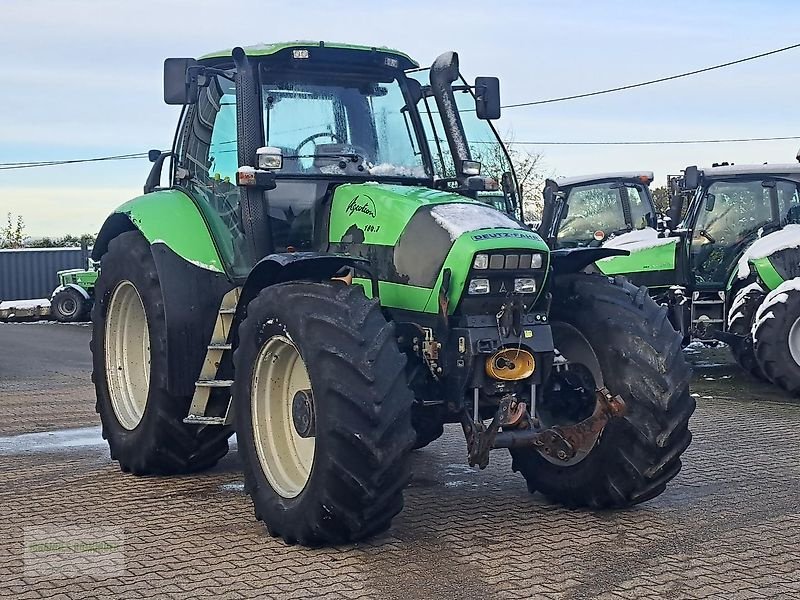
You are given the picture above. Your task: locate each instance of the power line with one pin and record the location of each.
(652, 81)
(653, 142)
(52, 163)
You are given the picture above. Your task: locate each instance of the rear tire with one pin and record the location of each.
(639, 355)
(141, 420)
(740, 320)
(348, 483)
(69, 306)
(776, 336)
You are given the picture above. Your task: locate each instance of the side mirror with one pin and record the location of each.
(487, 98)
(691, 178)
(711, 200)
(180, 81)
(154, 178)
(675, 210)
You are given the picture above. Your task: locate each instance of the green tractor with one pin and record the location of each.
(72, 300)
(329, 275)
(727, 265)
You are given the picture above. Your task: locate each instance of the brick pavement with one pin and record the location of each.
(728, 526)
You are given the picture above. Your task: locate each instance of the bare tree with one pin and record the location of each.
(12, 234)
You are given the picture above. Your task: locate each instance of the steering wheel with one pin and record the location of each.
(313, 137)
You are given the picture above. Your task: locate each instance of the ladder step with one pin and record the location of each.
(219, 347)
(227, 311)
(203, 420)
(214, 383)
(708, 302)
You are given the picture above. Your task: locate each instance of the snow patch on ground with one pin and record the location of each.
(640, 239)
(788, 237)
(459, 218)
(232, 487)
(25, 304)
(51, 441)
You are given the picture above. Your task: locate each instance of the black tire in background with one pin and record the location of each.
(776, 336)
(639, 354)
(747, 298)
(427, 428)
(161, 444)
(69, 306)
(362, 412)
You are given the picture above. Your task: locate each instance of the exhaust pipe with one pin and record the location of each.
(444, 72)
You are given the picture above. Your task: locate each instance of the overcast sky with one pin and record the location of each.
(83, 78)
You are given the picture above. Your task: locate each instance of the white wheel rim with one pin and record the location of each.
(127, 355)
(286, 458)
(794, 341)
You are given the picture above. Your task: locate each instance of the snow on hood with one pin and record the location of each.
(459, 218)
(777, 296)
(639, 239)
(788, 237)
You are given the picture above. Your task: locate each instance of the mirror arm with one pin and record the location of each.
(154, 177)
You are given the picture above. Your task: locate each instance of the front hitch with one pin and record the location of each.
(564, 445)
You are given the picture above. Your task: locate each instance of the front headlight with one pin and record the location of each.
(537, 261)
(481, 261)
(478, 286)
(525, 285)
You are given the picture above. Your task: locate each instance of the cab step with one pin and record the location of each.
(218, 347)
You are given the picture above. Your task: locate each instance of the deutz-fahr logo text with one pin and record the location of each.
(504, 234)
(361, 204)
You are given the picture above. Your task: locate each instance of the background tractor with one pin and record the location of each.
(328, 274)
(72, 300)
(726, 265)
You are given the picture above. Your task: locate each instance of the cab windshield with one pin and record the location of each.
(352, 125)
(596, 210)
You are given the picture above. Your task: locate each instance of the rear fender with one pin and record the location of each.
(190, 272)
(169, 217)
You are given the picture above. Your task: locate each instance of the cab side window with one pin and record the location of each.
(206, 167)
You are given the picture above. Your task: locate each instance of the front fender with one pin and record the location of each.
(78, 288)
(292, 266)
(572, 260)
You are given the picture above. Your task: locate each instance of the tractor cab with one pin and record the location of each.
(730, 208)
(599, 209)
(319, 116)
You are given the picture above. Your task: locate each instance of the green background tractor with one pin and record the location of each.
(726, 265)
(329, 274)
(72, 300)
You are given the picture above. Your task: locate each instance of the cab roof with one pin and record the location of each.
(563, 182)
(262, 50)
(734, 170)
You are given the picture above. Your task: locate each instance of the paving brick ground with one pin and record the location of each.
(728, 526)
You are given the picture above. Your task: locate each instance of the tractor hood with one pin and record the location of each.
(411, 235)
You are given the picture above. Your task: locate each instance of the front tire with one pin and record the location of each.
(332, 468)
(740, 320)
(776, 336)
(69, 306)
(141, 420)
(638, 355)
